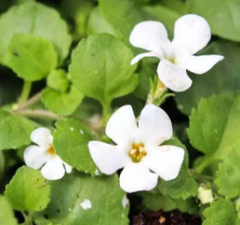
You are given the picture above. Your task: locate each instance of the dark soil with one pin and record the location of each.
(161, 218)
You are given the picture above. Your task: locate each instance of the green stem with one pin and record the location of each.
(29, 102)
(203, 165)
(38, 113)
(106, 113)
(27, 85)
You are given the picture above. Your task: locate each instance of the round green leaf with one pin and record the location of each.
(32, 58)
(58, 80)
(228, 175)
(101, 68)
(71, 144)
(33, 18)
(6, 215)
(221, 212)
(28, 190)
(62, 103)
(15, 131)
(215, 125)
(98, 24)
(69, 193)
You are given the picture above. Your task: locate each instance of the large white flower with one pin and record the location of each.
(45, 156)
(137, 149)
(191, 34)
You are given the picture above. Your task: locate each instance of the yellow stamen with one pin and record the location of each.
(137, 152)
(51, 150)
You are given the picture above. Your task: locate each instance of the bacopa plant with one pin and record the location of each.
(119, 112)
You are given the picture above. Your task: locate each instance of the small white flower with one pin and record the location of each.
(205, 195)
(137, 149)
(44, 155)
(191, 34)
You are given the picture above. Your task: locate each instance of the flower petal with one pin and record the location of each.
(122, 126)
(191, 33)
(108, 158)
(68, 168)
(150, 35)
(140, 56)
(53, 169)
(173, 77)
(155, 126)
(166, 161)
(42, 136)
(35, 156)
(202, 64)
(137, 177)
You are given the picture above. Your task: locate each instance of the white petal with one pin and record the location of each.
(122, 126)
(191, 33)
(35, 156)
(173, 77)
(140, 56)
(150, 35)
(53, 169)
(155, 126)
(166, 161)
(202, 64)
(68, 168)
(108, 158)
(41, 136)
(137, 177)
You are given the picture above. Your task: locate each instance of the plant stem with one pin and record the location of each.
(106, 111)
(29, 102)
(27, 85)
(203, 165)
(38, 113)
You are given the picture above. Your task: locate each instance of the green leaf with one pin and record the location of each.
(223, 77)
(184, 186)
(70, 192)
(157, 201)
(28, 190)
(37, 19)
(58, 80)
(122, 15)
(221, 212)
(6, 215)
(98, 24)
(225, 22)
(15, 131)
(62, 103)
(32, 58)
(228, 175)
(215, 125)
(105, 61)
(71, 144)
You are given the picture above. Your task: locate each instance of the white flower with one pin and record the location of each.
(44, 156)
(137, 149)
(191, 34)
(205, 195)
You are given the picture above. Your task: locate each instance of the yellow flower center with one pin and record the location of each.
(171, 59)
(51, 150)
(137, 152)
